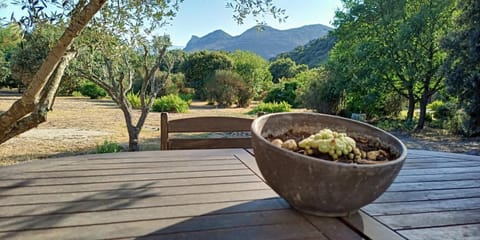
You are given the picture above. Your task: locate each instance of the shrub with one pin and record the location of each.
(459, 124)
(187, 96)
(284, 92)
(442, 110)
(170, 103)
(134, 100)
(396, 125)
(271, 107)
(227, 87)
(109, 147)
(92, 90)
(321, 94)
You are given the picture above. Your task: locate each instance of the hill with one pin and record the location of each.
(267, 42)
(313, 53)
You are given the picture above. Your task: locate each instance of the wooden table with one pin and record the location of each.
(219, 194)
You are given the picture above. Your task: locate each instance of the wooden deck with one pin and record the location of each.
(219, 194)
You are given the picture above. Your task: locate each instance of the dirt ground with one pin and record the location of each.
(77, 125)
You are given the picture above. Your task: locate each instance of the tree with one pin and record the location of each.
(254, 70)
(112, 66)
(394, 43)
(321, 93)
(282, 68)
(31, 109)
(463, 62)
(26, 59)
(10, 37)
(200, 66)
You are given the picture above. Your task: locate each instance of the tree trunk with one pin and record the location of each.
(39, 114)
(411, 106)
(423, 103)
(133, 135)
(14, 118)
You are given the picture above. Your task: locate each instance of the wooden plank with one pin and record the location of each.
(447, 155)
(163, 131)
(124, 178)
(249, 160)
(432, 165)
(205, 143)
(210, 124)
(137, 163)
(125, 171)
(137, 214)
(376, 209)
(450, 170)
(438, 177)
(223, 177)
(428, 195)
(332, 228)
(278, 231)
(435, 219)
(395, 187)
(101, 202)
(130, 156)
(463, 232)
(121, 193)
(160, 228)
(428, 159)
(370, 227)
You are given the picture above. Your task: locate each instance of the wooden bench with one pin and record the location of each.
(222, 125)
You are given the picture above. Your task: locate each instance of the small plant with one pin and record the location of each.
(108, 147)
(134, 100)
(76, 94)
(92, 90)
(187, 97)
(170, 103)
(272, 107)
(396, 125)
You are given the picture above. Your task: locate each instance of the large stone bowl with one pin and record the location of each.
(316, 186)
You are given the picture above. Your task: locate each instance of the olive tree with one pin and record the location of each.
(31, 109)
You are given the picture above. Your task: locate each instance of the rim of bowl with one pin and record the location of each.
(400, 158)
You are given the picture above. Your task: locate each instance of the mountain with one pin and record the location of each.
(313, 53)
(267, 42)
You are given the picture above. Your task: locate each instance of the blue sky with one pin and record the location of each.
(200, 17)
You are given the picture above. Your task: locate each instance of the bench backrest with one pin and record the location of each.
(239, 126)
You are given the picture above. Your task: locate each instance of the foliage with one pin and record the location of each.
(227, 87)
(92, 90)
(200, 66)
(174, 84)
(442, 110)
(284, 92)
(27, 59)
(391, 46)
(462, 66)
(10, 37)
(254, 70)
(109, 147)
(313, 53)
(321, 92)
(459, 124)
(284, 68)
(170, 103)
(271, 107)
(178, 56)
(133, 22)
(395, 125)
(134, 100)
